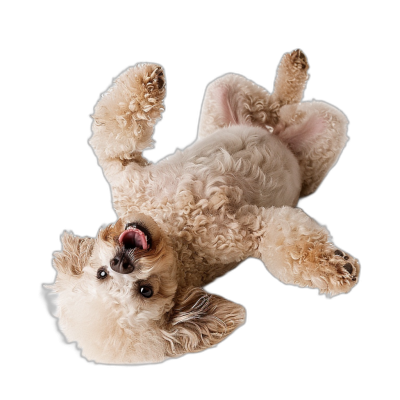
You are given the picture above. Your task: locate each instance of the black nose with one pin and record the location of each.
(122, 264)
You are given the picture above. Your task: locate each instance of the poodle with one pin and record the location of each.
(134, 293)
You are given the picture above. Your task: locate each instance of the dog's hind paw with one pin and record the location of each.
(291, 79)
(159, 78)
(299, 59)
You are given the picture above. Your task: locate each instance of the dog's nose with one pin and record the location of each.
(122, 264)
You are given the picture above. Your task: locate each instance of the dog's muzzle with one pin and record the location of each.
(133, 242)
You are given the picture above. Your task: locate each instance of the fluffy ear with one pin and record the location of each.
(75, 254)
(200, 320)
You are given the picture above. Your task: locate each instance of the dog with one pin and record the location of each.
(134, 293)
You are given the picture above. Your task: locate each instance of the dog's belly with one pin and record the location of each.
(248, 164)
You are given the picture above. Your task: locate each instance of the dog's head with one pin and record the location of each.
(119, 297)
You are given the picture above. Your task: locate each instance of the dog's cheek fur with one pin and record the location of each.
(108, 323)
(103, 331)
(158, 270)
(200, 320)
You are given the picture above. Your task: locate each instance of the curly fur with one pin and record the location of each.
(230, 196)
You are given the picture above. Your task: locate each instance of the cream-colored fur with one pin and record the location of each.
(229, 196)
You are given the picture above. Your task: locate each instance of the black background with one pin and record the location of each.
(294, 339)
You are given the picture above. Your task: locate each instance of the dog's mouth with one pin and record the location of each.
(135, 236)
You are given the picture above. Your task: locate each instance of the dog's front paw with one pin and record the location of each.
(147, 93)
(346, 263)
(125, 116)
(330, 270)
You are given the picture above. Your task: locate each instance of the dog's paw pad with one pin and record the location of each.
(158, 77)
(348, 267)
(332, 271)
(341, 254)
(348, 264)
(299, 59)
(154, 79)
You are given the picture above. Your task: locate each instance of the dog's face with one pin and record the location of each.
(119, 297)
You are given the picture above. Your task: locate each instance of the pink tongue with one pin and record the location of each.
(133, 238)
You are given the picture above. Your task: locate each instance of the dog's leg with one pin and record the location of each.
(124, 119)
(233, 100)
(316, 133)
(290, 82)
(294, 247)
(297, 250)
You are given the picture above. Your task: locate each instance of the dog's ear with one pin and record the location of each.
(75, 254)
(200, 320)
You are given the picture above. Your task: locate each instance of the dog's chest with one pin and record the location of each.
(195, 194)
(238, 165)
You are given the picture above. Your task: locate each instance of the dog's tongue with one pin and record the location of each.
(132, 238)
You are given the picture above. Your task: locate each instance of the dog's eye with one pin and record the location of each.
(146, 291)
(102, 273)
